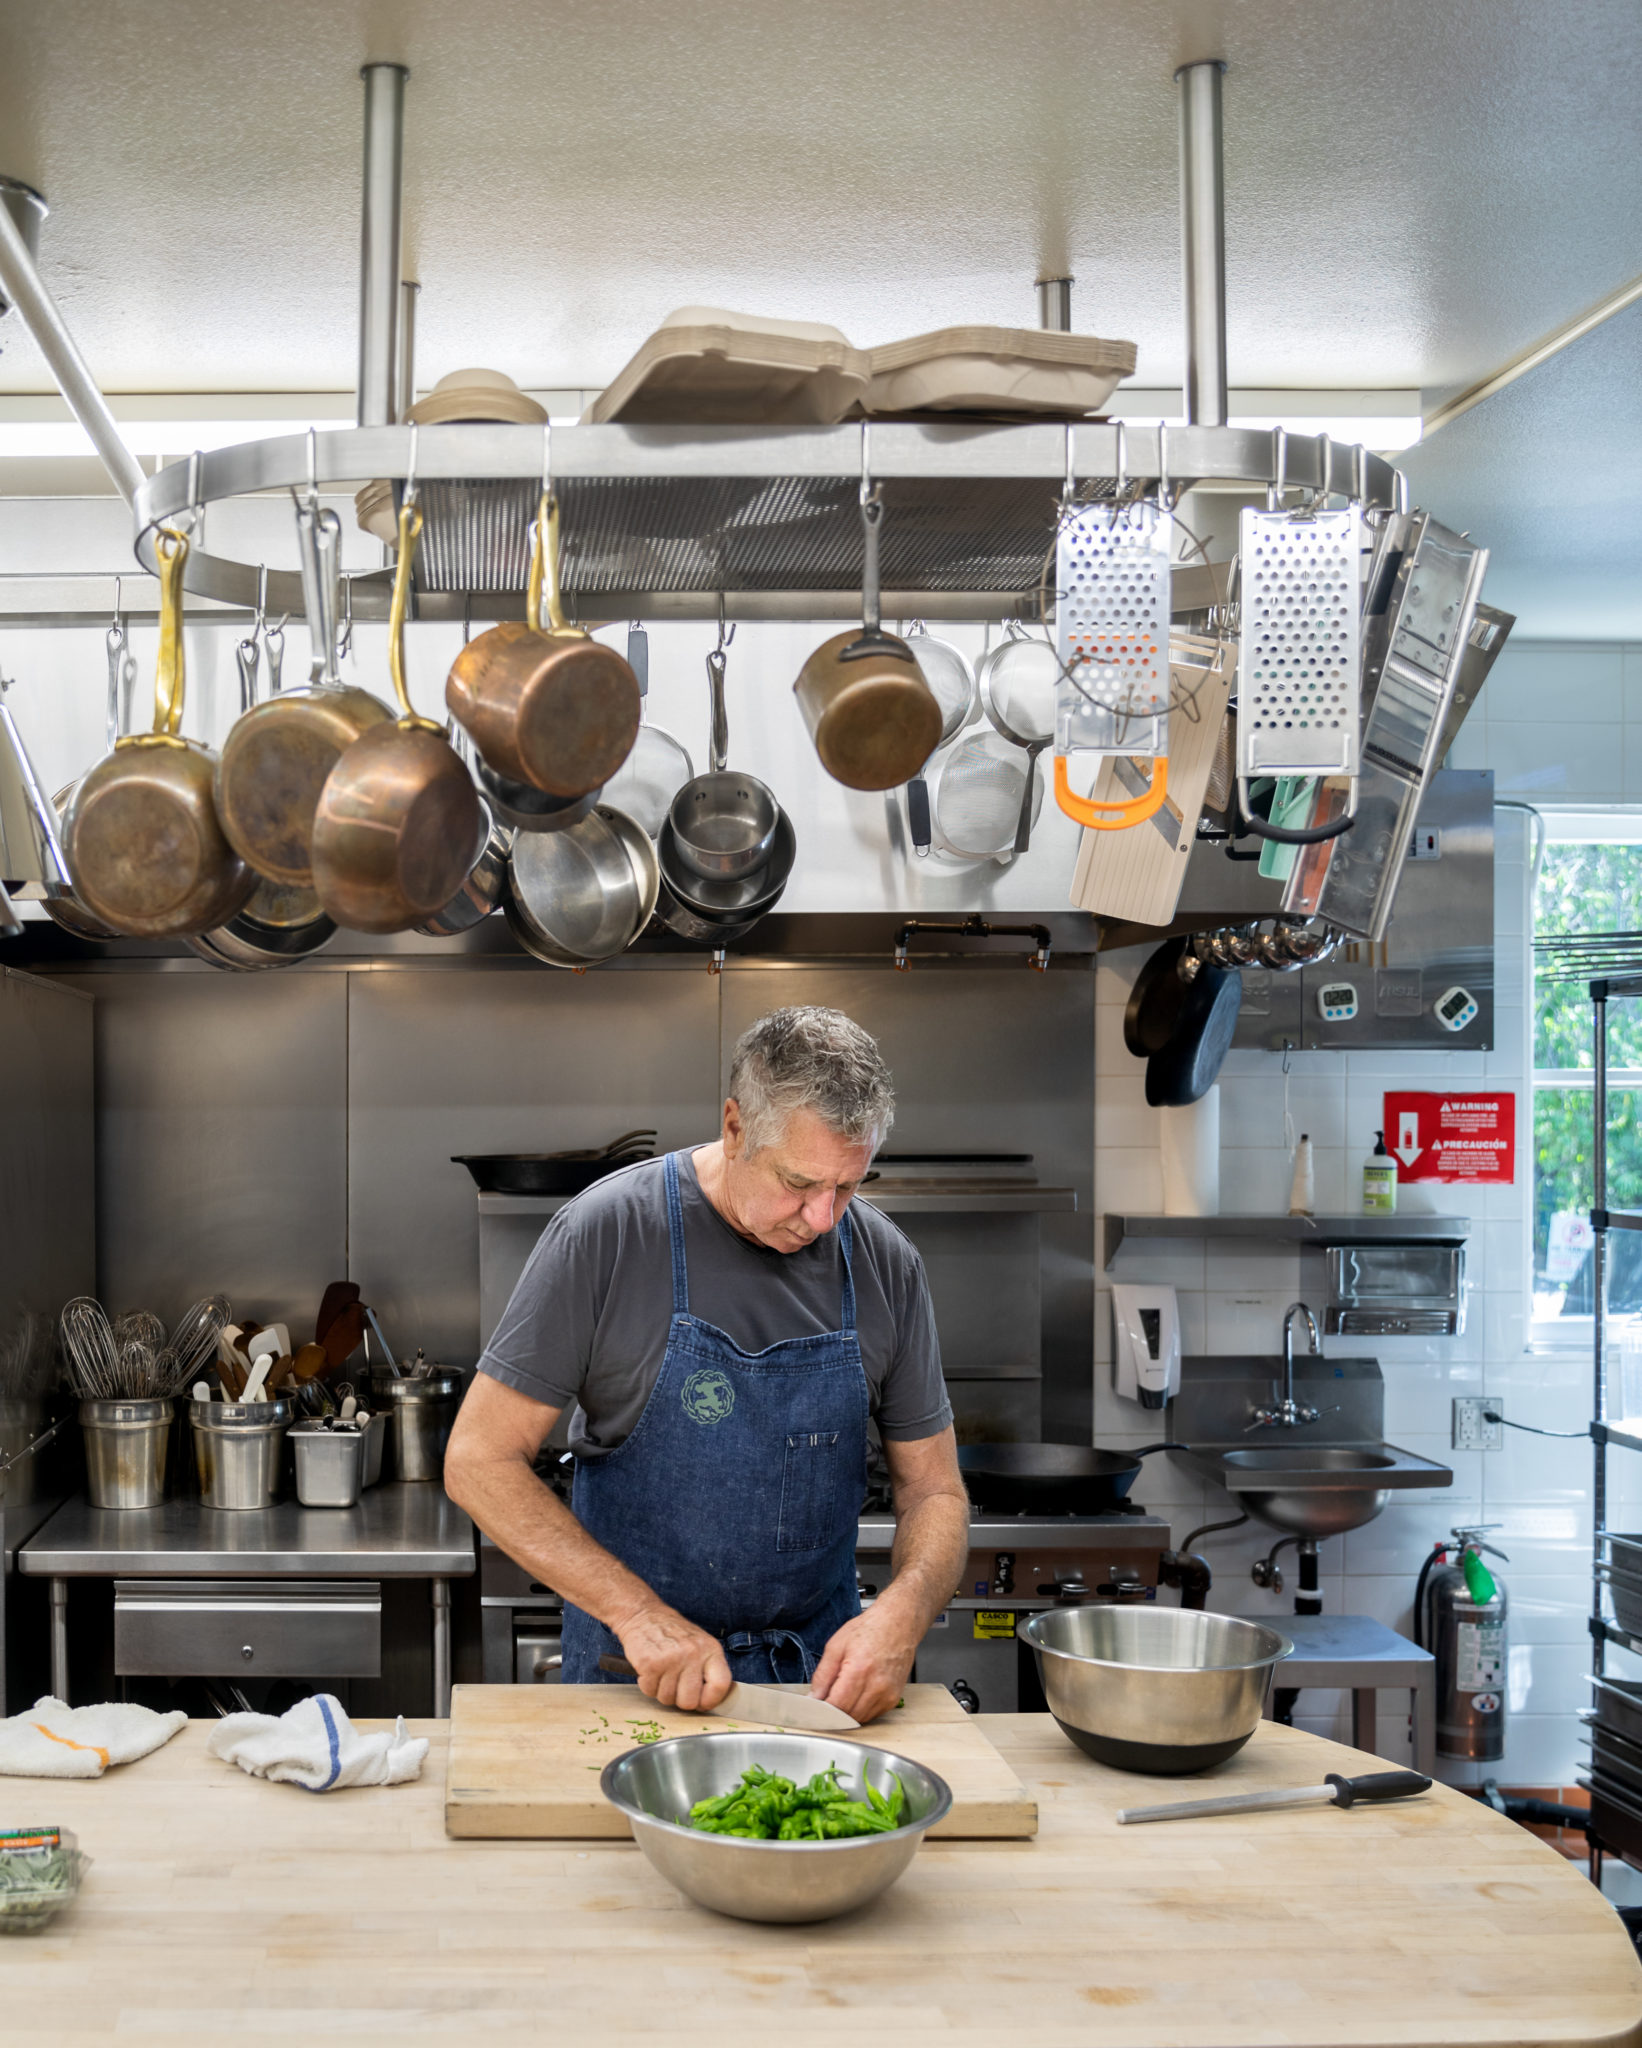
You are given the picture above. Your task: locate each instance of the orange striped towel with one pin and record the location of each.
(53, 1740)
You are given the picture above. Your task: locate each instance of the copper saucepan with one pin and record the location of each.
(557, 710)
(873, 718)
(276, 758)
(146, 852)
(399, 823)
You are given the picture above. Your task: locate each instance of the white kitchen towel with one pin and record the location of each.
(316, 1746)
(56, 1741)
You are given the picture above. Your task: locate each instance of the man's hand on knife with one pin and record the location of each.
(678, 1664)
(864, 1667)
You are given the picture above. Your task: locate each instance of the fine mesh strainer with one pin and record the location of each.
(1018, 680)
(659, 765)
(980, 791)
(952, 683)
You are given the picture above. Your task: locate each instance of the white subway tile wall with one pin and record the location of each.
(1233, 1294)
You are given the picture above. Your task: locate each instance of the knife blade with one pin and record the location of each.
(1334, 1791)
(779, 1706)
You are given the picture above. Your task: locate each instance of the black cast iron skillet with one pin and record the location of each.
(1048, 1479)
(1184, 1069)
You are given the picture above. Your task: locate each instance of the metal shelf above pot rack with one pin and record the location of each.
(670, 522)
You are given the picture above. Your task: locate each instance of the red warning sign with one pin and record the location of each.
(1466, 1136)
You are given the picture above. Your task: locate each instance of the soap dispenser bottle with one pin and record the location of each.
(1379, 1180)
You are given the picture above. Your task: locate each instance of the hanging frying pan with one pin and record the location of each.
(1156, 1001)
(1048, 1479)
(1186, 1068)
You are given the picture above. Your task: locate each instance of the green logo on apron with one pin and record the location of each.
(708, 1395)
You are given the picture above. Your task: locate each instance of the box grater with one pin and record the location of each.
(1416, 633)
(1112, 630)
(1297, 675)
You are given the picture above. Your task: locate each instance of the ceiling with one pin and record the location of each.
(1416, 189)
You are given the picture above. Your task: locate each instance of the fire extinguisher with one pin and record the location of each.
(1459, 1616)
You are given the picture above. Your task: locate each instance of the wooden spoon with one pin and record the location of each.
(342, 1339)
(332, 1302)
(309, 1363)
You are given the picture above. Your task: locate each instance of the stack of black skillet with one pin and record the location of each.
(1180, 1019)
(726, 846)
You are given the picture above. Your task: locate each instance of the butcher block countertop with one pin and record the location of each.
(220, 1908)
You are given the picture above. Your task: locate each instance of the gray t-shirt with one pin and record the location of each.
(588, 1321)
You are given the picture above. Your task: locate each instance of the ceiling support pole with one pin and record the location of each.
(22, 285)
(1055, 304)
(1203, 241)
(379, 243)
(405, 371)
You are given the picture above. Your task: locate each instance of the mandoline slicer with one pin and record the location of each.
(1112, 640)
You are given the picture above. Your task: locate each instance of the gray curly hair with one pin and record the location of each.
(806, 1057)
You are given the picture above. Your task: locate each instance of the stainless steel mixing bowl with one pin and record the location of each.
(657, 1785)
(1156, 1689)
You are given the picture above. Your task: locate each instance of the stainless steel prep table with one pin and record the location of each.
(404, 1531)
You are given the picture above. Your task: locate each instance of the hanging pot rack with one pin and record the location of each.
(668, 522)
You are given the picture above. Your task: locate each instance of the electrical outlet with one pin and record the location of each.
(1471, 1432)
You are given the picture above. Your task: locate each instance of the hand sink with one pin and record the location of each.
(1313, 1490)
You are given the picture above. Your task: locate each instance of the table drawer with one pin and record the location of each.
(279, 1628)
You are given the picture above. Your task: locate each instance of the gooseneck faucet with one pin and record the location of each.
(1290, 1414)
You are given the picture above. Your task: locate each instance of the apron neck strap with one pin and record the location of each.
(675, 1235)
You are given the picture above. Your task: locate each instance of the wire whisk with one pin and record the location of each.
(131, 1358)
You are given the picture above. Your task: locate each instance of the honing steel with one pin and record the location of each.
(1334, 1791)
(772, 1704)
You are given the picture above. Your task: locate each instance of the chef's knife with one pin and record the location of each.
(1334, 1791)
(773, 1704)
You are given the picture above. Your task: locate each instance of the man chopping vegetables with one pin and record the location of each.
(723, 1324)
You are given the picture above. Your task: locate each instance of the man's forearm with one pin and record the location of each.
(931, 1544)
(535, 1528)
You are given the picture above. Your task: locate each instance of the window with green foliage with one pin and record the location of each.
(1584, 887)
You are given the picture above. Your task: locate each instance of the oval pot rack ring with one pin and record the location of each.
(706, 484)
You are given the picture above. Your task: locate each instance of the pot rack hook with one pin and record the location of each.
(724, 639)
(344, 645)
(1122, 481)
(547, 460)
(868, 489)
(261, 623)
(313, 466)
(1163, 465)
(1280, 469)
(1325, 468)
(1069, 490)
(409, 495)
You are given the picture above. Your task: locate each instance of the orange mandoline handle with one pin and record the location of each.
(1135, 812)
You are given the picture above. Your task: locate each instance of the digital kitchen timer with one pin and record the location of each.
(1456, 1009)
(1337, 1002)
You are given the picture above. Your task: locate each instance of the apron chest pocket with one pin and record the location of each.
(809, 1482)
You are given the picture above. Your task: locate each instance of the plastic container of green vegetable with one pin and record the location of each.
(40, 1874)
(709, 1812)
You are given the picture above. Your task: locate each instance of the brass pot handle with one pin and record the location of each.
(169, 674)
(410, 531)
(544, 572)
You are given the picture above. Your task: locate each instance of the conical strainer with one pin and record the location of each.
(1017, 682)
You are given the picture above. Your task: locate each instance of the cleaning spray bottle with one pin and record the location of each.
(1379, 1180)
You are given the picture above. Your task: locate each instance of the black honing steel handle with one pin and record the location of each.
(618, 1667)
(1378, 1785)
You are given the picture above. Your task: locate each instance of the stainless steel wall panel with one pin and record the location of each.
(530, 1062)
(221, 1139)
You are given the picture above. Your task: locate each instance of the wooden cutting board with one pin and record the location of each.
(525, 1759)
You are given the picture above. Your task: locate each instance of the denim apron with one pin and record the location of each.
(736, 1497)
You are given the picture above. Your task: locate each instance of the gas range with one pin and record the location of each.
(1029, 1562)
